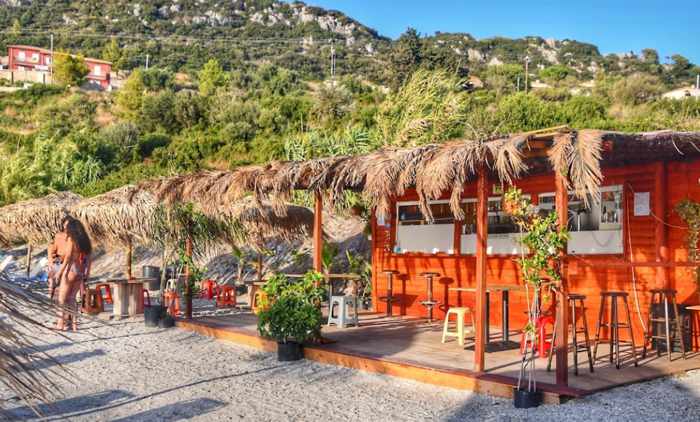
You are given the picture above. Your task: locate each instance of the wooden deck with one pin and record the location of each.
(412, 348)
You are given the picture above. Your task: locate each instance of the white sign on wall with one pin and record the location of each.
(641, 204)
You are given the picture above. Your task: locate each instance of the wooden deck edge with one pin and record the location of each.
(493, 385)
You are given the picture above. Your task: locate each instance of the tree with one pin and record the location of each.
(555, 74)
(405, 57)
(69, 69)
(650, 56)
(130, 96)
(503, 78)
(637, 89)
(113, 53)
(211, 77)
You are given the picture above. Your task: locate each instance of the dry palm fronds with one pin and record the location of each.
(576, 156)
(261, 223)
(35, 221)
(19, 331)
(119, 217)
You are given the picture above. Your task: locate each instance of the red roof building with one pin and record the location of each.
(25, 57)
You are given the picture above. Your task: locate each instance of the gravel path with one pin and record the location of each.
(129, 372)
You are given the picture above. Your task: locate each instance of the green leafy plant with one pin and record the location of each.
(540, 266)
(292, 312)
(689, 211)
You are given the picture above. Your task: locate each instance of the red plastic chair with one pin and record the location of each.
(209, 289)
(172, 301)
(226, 297)
(544, 344)
(107, 297)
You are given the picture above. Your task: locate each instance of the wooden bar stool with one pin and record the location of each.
(107, 297)
(389, 298)
(664, 297)
(614, 325)
(573, 299)
(430, 303)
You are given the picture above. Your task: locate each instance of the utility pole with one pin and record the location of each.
(527, 70)
(146, 61)
(51, 64)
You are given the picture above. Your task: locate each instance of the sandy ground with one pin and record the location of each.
(129, 372)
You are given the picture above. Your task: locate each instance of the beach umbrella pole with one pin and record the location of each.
(129, 253)
(188, 289)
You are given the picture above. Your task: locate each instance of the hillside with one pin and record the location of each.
(184, 34)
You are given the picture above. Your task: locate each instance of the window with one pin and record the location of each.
(97, 70)
(596, 229)
(21, 56)
(35, 57)
(503, 233)
(415, 234)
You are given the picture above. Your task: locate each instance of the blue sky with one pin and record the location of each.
(615, 26)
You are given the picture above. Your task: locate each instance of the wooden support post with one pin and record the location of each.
(188, 288)
(562, 343)
(129, 258)
(481, 241)
(318, 232)
(661, 232)
(29, 260)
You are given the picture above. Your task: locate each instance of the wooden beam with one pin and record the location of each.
(188, 288)
(661, 231)
(129, 254)
(318, 232)
(562, 344)
(480, 271)
(29, 260)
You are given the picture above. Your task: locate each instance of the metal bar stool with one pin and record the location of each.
(389, 298)
(430, 303)
(664, 297)
(614, 325)
(573, 298)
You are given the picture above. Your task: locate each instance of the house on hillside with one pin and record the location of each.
(30, 58)
(681, 93)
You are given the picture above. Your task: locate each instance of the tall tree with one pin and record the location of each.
(69, 69)
(211, 77)
(113, 53)
(405, 57)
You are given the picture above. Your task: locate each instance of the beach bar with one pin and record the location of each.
(441, 239)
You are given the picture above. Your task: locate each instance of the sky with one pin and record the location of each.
(615, 26)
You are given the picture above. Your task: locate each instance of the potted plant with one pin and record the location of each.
(292, 314)
(541, 271)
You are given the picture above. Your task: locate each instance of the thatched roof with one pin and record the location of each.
(35, 221)
(436, 169)
(118, 217)
(21, 371)
(261, 222)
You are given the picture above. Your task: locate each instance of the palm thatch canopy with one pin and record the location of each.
(19, 355)
(435, 169)
(119, 217)
(35, 221)
(261, 223)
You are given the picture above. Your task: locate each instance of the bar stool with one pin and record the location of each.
(226, 297)
(460, 314)
(430, 303)
(573, 298)
(614, 325)
(342, 317)
(664, 297)
(389, 298)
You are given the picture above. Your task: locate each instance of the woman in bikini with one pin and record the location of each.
(74, 249)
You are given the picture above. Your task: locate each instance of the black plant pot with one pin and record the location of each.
(152, 315)
(290, 351)
(523, 399)
(166, 321)
(150, 271)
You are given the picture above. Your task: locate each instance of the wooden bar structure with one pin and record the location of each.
(435, 208)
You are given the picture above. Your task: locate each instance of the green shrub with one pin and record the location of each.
(292, 311)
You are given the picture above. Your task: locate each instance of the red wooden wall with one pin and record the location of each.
(605, 273)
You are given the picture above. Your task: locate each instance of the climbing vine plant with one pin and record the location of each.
(689, 211)
(540, 265)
